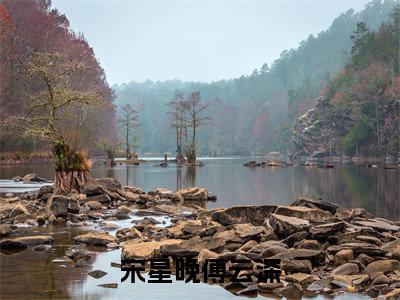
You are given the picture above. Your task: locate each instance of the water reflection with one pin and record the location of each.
(377, 190)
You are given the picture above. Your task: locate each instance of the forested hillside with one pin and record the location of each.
(31, 29)
(255, 113)
(359, 111)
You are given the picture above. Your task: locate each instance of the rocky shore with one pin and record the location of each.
(322, 247)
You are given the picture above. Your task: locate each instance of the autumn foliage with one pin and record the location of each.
(29, 27)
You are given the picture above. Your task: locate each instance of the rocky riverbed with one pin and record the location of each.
(322, 248)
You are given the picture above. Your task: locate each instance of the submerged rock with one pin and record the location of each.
(385, 266)
(97, 274)
(109, 285)
(26, 241)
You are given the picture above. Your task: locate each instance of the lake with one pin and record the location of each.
(375, 189)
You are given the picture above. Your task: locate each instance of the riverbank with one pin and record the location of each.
(17, 158)
(321, 247)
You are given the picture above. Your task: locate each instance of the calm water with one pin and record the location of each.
(30, 275)
(377, 190)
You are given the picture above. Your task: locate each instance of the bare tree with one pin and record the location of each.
(54, 103)
(178, 122)
(129, 120)
(194, 107)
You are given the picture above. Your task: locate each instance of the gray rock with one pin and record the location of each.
(386, 266)
(109, 184)
(346, 269)
(323, 205)
(343, 256)
(295, 237)
(296, 266)
(92, 189)
(382, 279)
(285, 225)
(378, 225)
(254, 214)
(306, 213)
(57, 205)
(26, 241)
(316, 257)
(326, 230)
(47, 189)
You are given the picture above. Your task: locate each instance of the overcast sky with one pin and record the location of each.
(195, 40)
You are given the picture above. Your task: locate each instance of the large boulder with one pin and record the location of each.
(103, 198)
(311, 214)
(93, 189)
(128, 195)
(378, 225)
(26, 241)
(296, 266)
(285, 225)
(189, 228)
(254, 214)
(383, 265)
(96, 238)
(128, 234)
(33, 178)
(47, 189)
(109, 184)
(191, 194)
(145, 250)
(248, 231)
(93, 205)
(346, 269)
(57, 205)
(323, 205)
(325, 230)
(359, 248)
(343, 256)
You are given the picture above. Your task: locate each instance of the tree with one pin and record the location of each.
(110, 146)
(194, 107)
(28, 27)
(128, 120)
(55, 103)
(177, 119)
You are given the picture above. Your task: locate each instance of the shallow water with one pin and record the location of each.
(375, 189)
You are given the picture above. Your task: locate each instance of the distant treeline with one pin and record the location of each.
(255, 114)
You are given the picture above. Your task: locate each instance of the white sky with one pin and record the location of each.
(195, 40)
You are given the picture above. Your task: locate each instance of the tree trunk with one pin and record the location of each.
(68, 181)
